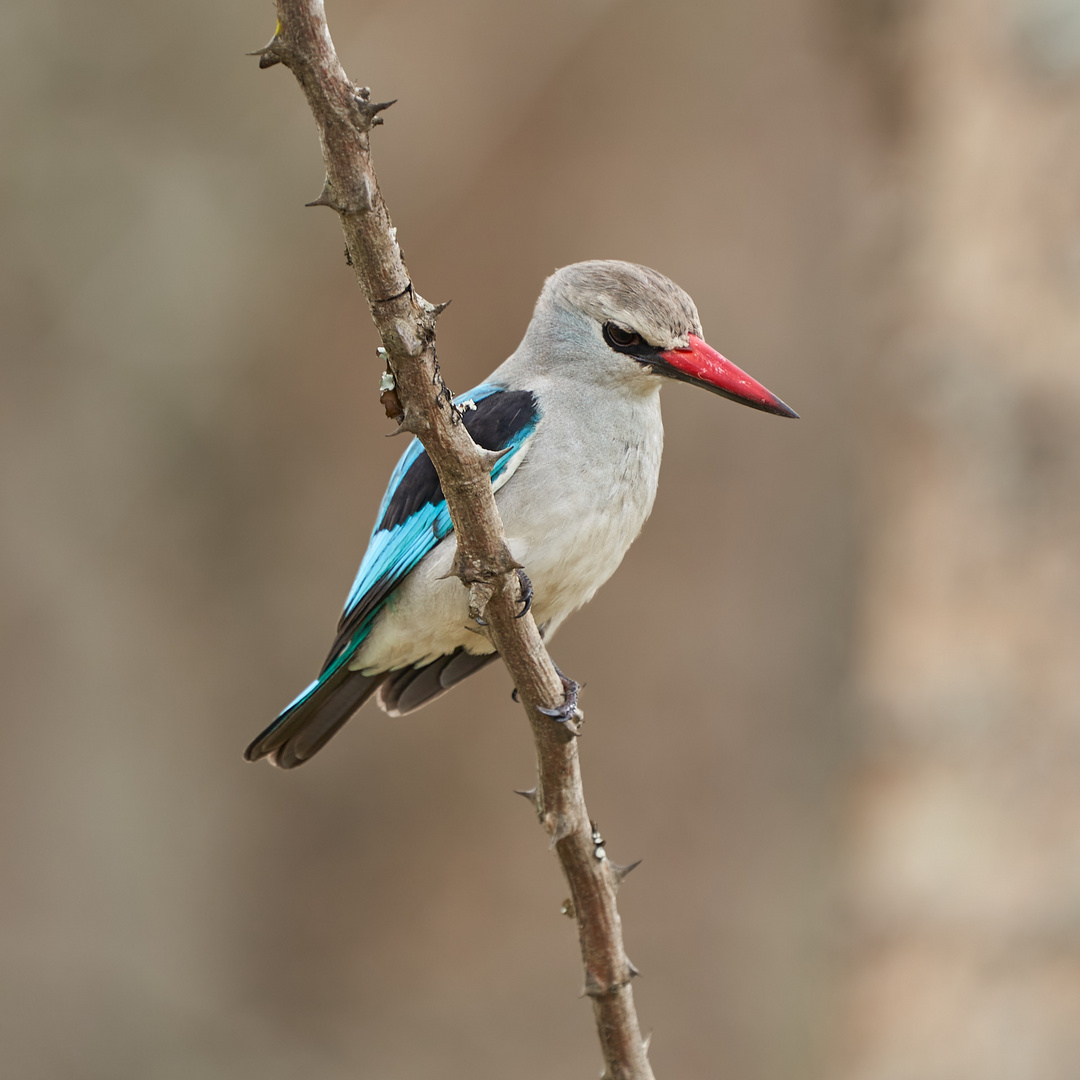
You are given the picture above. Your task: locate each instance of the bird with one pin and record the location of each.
(576, 408)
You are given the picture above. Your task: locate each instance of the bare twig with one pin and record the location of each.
(345, 116)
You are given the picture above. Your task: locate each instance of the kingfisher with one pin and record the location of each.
(576, 410)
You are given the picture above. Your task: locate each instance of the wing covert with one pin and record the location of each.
(413, 516)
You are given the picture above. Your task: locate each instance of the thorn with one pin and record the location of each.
(558, 828)
(621, 872)
(438, 309)
(270, 53)
(645, 1042)
(369, 110)
(406, 424)
(632, 968)
(326, 199)
(490, 458)
(528, 793)
(514, 696)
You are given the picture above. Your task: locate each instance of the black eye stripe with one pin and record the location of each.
(628, 341)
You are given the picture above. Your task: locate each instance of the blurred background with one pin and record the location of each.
(834, 691)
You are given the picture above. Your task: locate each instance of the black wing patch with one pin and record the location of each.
(492, 424)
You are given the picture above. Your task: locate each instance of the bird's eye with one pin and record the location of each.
(618, 337)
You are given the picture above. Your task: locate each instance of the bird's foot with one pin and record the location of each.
(525, 599)
(526, 593)
(568, 712)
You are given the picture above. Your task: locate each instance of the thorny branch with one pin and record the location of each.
(415, 394)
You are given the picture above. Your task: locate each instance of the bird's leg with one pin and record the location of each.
(526, 593)
(525, 599)
(568, 712)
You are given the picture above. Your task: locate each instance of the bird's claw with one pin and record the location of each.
(526, 593)
(526, 599)
(568, 712)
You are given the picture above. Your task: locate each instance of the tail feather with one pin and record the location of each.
(307, 725)
(311, 722)
(406, 690)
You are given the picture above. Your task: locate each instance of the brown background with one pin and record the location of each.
(833, 693)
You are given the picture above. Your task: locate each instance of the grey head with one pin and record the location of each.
(622, 325)
(599, 321)
(633, 297)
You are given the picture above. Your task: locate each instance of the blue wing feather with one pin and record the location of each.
(385, 545)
